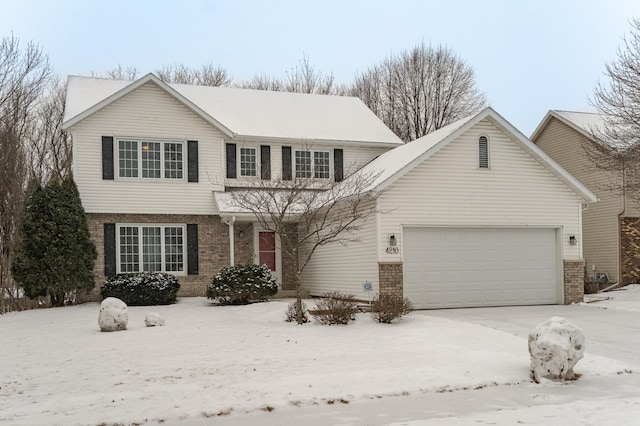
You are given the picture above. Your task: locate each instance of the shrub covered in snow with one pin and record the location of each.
(291, 313)
(153, 319)
(142, 288)
(555, 346)
(242, 284)
(336, 308)
(113, 315)
(387, 307)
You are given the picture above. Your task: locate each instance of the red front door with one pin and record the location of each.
(267, 249)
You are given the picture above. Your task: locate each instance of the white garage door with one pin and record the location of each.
(469, 267)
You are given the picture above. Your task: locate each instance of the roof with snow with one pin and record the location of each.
(582, 122)
(394, 164)
(245, 113)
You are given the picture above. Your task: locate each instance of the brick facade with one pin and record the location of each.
(573, 281)
(213, 248)
(630, 250)
(390, 278)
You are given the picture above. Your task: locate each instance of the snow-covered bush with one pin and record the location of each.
(336, 308)
(387, 307)
(242, 284)
(113, 315)
(142, 288)
(291, 313)
(555, 346)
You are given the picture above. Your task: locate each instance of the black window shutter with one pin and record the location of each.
(192, 161)
(107, 157)
(265, 162)
(231, 161)
(286, 163)
(109, 249)
(338, 166)
(192, 249)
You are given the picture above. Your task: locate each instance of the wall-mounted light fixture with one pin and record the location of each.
(573, 240)
(392, 241)
(241, 234)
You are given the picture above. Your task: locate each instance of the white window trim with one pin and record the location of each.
(139, 141)
(313, 171)
(488, 153)
(163, 250)
(239, 162)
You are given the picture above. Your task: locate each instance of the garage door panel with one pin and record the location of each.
(464, 267)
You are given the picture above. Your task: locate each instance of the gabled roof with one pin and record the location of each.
(582, 122)
(246, 114)
(394, 164)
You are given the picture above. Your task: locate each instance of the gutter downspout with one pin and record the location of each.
(232, 239)
(622, 212)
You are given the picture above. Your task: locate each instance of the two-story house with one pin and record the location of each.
(473, 214)
(611, 227)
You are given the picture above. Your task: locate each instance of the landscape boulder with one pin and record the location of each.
(153, 319)
(113, 315)
(555, 346)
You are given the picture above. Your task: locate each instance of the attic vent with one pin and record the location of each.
(483, 152)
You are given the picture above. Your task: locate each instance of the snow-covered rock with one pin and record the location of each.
(113, 315)
(555, 346)
(153, 319)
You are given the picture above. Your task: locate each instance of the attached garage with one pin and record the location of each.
(472, 267)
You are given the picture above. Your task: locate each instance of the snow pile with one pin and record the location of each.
(555, 346)
(113, 315)
(153, 319)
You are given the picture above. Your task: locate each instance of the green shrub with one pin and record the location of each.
(336, 308)
(387, 307)
(142, 288)
(242, 284)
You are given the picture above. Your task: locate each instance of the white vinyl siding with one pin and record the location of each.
(148, 113)
(600, 242)
(448, 189)
(346, 267)
(150, 248)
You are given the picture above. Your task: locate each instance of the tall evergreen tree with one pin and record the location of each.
(56, 255)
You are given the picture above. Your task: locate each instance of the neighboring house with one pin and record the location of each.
(148, 156)
(473, 214)
(611, 227)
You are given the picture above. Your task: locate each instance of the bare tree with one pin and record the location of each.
(207, 75)
(49, 144)
(615, 144)
(121, 73)
(420, 90)
(303, 78)
(307, 215)
(24, 74)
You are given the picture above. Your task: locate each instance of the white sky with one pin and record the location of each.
(529, 56)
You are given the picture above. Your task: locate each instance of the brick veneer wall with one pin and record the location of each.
(573, 281)
(213, 247)
(390, 278)
(244, 252)
(630, 249)
(289, 266)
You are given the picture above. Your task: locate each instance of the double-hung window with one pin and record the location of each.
(150, 159)
(312, 164)
(151, 248)
(248, 161)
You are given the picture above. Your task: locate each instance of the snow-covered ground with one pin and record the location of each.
(245, 365)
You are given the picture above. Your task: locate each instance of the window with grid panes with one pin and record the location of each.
(248, 161)
(150, 159)
(151, 248)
